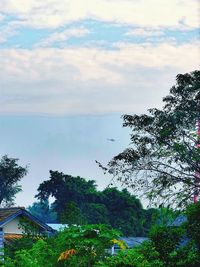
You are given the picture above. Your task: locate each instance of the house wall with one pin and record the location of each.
(12, 227)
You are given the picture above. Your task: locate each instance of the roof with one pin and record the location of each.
(8, 214)
(57, 226)
(178, 221)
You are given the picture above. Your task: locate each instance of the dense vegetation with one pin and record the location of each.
(78, 201)
(88, 246)
(75, 246)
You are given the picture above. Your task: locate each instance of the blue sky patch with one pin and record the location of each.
(100, 34)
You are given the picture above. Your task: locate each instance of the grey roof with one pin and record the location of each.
(57, 226)
(178, 221)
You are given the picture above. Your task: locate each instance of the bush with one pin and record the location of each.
(144, 255)
(85, 246)
(193, 223)
(75, 246)
(165, 240)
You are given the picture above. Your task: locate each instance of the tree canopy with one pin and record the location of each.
(78, 201)
(162, 160)
(43, 211)
(66, 188)
(10, 174)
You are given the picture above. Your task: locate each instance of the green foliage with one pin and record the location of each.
(10, 174)
(86, 246)
(77, 201)
(72, 215)
(65, 188)
(24, 243)
(43, 211)
(193, 223)
(41, 254)
(96, 213)
(165, 239)
(89, 242)
(125, 211)
(166, 246)
(163, 249)
(162, 158)
(143, 256)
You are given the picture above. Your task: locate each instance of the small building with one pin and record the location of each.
(12, 224)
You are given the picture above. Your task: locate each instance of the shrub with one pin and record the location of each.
(88, 244)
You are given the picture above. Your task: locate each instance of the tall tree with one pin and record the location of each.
(77, 201)
(66, 188)
(72, 215)
(10, 174)
(125, 211)
(163, 160)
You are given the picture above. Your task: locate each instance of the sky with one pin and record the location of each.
(69, 69)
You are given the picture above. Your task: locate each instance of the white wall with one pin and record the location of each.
(12, 227)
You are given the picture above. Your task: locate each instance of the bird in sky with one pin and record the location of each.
(111, 139)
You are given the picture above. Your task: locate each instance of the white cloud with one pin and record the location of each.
(1, 17)
(7, 31)
(63, 36)
(88, 80)
(144, 32)
(145, 13)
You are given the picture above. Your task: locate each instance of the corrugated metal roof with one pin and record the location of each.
(57, 226)
(178, 221)
(8, 212)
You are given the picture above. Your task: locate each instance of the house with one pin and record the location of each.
(12, 221)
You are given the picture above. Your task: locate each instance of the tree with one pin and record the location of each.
(193, 225)
(72, 215)
(162, 161)
(77, 201)
(10, 174)
(96, 213)
(43, 211)
(66, 188)
(125, 211)
(89, 243)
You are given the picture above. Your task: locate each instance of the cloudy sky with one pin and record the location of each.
(70, 68)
